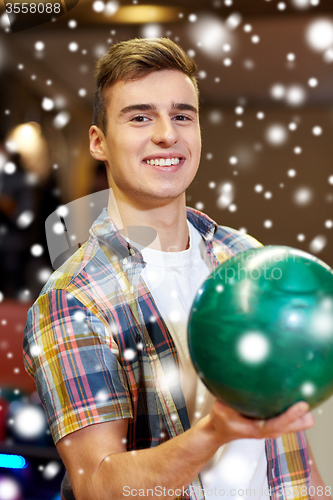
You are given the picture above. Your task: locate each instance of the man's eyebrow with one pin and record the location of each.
(137, 107)
(180, 106)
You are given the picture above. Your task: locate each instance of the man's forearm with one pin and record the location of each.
(171, 466)
(97, 473)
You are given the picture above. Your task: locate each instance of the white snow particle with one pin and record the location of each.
(73, 46)
(36, 250)
(278, 91)
(317, 244)
(39, 46)
(129, 354)
(295, 95)
(47, 104)
(319, 34)
(317, 130)
(58, 228)
(9, 168)
(51, 470)
(98, 6)
(303, 196)
(312, 82)
(276, 134)
(25, 219)
(61, 119)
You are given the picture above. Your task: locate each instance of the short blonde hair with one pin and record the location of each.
(133, 59)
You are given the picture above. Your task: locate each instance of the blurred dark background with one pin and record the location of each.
(266, 81)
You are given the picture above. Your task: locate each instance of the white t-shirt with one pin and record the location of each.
(238, 469)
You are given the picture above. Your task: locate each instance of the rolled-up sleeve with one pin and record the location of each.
(73, 357)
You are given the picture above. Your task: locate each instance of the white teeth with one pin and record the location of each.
(163, 161)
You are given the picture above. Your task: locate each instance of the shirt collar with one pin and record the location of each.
(105, 230)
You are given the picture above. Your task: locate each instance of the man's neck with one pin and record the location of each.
(169, 220)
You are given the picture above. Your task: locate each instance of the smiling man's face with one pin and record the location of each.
(153, 143)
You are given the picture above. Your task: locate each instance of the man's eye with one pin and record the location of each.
(182, 118)
(139, 119)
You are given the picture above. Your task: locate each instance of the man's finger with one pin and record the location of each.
(295, 418)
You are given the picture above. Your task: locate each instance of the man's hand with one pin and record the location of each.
(230, 425)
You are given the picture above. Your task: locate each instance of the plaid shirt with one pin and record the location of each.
(99, 350)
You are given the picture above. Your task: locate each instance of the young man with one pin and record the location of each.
(106, 339)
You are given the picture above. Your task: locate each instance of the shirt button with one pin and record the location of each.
(132, 252)
(125, 261)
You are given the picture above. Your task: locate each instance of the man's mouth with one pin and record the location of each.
(162, 162)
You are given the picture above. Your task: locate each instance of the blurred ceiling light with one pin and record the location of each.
(4, 20)
(26, 137)
(27, 140)
(143, 14)
(319, 34)
(211, 34)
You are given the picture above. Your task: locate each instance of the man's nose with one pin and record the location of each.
(165, 133)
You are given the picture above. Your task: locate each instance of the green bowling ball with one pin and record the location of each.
(260, 331)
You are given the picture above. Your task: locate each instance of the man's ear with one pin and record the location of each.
(97, 143)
